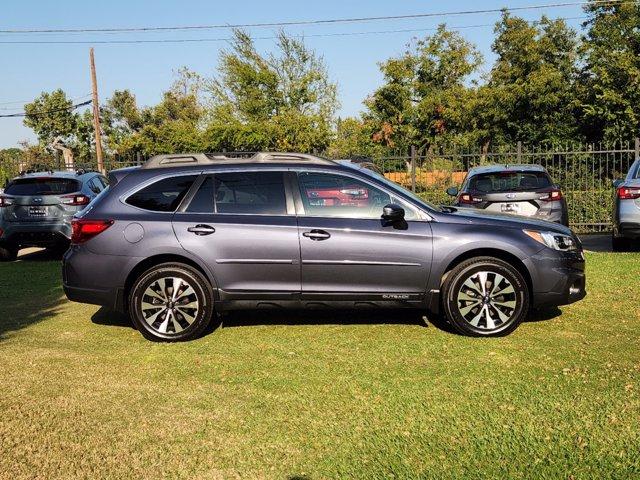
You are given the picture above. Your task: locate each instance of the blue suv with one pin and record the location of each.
(189, 235)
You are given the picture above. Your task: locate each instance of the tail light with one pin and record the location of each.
(628, 193)
(5, 201)
(551, 196)
(83, 230)
(355, 192)
(75, 200)
(468, 199)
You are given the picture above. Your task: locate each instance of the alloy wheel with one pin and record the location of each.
(487, 301)
(169, 305)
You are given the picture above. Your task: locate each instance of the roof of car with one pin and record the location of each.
(54, 173)
(200, 159)
(506, 168)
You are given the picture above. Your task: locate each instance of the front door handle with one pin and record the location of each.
(202, 230)
(317, 235)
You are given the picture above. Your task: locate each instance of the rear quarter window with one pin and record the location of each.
(42, 186)
(162, 196)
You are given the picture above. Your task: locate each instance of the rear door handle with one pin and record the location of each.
(317, 235)
(202, 230)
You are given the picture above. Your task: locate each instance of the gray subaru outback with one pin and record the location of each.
(185, 236)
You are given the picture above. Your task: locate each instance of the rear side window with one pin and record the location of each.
(162, 196)
(258, 193)
(509, 181)
(42, 186)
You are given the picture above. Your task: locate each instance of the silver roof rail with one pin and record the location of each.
(187, 159)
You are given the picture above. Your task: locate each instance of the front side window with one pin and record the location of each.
(162, 196)
(258, 193)
(329, 195)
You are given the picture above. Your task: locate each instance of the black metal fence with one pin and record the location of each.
(584, 172)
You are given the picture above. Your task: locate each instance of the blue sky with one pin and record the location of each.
(148, 69)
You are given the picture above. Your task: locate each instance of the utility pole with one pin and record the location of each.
(96, 113)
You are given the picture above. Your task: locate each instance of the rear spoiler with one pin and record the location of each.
(116, 175)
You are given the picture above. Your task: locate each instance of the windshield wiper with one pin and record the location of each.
(448, 208)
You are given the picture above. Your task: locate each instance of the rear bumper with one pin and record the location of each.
(95, 279)
(628, 230)
(35, 234)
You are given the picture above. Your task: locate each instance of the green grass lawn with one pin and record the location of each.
(338, 395)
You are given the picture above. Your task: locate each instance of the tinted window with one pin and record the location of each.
(42, 186)
(509, 181)
(103, 181)
(95, 186)
(202, 201)
(163, 195)
(330, 195)
(260, 193)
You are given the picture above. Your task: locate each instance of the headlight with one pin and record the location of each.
(557, 241)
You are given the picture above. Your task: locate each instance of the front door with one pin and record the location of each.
(347, 249)
(242, 225)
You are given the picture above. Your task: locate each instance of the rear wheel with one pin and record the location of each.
(171, 303)
(485, 297)
(8, 253)
(620, 244)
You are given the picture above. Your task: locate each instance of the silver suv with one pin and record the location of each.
(626, 210)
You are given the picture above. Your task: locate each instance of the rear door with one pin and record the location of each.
(346, 248)
(243, 225)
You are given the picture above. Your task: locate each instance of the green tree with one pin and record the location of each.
(530, 95)
(50, 116)
(426, 93)
(279, 101)
(611, 74)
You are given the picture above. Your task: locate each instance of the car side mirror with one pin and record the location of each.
(617, 182)
(393, 213)
(453, 191)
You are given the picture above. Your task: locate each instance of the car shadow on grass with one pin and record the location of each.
(250, 318)
(30, 291)
(111, 318)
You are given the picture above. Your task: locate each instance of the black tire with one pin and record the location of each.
(172, 321)
(496, 313)
(8, 253)
(620, 244)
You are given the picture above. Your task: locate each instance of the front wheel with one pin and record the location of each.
(171, 303)
(485, 297)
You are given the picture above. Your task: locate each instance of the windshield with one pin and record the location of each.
(396, 187)
(42, 186)
(509, 181)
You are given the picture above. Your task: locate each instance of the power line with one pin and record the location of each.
(226, 39)
(31, 100)
(47, 112)
(314, 22)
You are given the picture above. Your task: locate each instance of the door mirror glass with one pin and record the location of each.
(393, 213)
(453, 191)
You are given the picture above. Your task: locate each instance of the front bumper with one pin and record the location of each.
(558, 277)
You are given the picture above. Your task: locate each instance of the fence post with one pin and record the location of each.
(519, 154)
(637, 148)
(413, 168)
